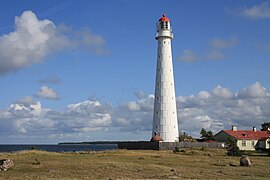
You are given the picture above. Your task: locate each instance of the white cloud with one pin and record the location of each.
(51, 80)
(133, 106)
(216, 48)
(218, 45)
(188, 56)
(215, 55)
(261, 11)
(253, 91)
(34, 39)
(221, 92)
(47, 93)
(221, 43)
(26, 101)
(215, 109)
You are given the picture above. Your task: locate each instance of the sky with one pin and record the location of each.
(85, 70)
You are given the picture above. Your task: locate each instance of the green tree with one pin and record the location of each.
(207, 135)
(203, 133)
(265, 126)
(233, 149)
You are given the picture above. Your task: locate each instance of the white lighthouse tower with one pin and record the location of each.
(165, 113)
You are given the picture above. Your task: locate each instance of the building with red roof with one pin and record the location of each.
(246, 139)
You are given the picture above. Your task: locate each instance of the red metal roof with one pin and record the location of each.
(248, 134)
(164, 18)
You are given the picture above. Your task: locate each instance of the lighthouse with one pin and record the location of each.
(165, 122)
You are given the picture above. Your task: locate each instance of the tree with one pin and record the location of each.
(233, 149)
(203, 133)
(207, 135)
(265, 126)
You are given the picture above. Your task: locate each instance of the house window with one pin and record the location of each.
(244, 144)
(253, 143)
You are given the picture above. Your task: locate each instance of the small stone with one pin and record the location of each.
(5, 164)
(140, 170)
(245, 161)
(173, 170)
(231, 164)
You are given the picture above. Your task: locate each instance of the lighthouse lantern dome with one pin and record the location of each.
(163, 23)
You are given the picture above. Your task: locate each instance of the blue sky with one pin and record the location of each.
(84, 70)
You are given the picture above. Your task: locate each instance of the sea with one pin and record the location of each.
(57, 147)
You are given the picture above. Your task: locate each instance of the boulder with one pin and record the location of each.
(5, 164)
(245, 161)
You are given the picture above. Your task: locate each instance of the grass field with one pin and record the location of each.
(191, 164)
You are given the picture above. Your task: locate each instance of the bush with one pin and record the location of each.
(176, 149)
(37, 162)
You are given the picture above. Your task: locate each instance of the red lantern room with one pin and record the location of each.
(163, 23)
(164, 18)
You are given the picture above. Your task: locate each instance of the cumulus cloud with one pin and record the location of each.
(216, 109)
(188, 56)
(261, 11)
(47, 93)
(22, 119)
(34, 39)
(26, 101)
(253, 91)
(221, 92)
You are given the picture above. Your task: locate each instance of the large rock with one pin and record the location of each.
(5, 164)
(245, 161)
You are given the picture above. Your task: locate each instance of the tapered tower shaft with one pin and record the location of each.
(165, 122)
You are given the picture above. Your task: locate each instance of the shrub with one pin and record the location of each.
(176, 149)
(37, 162)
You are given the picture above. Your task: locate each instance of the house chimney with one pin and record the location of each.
(234, 128)
(254, 129)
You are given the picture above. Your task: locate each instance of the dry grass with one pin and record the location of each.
(192, 164)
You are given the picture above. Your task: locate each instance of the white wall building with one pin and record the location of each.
(245, 139)
(165, 113)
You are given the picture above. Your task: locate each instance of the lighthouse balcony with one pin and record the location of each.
(164, 33)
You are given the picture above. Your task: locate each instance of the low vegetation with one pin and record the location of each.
(142, 164)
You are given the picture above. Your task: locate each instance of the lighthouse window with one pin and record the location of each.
(164, 42)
